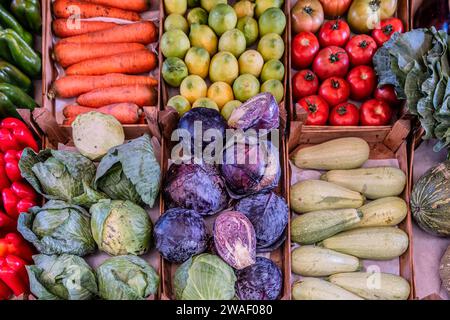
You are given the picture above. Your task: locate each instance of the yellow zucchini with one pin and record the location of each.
(315, 226)
(312, 261)
(374, 183)
(342, 153)
(318, 289)
(373, 286)
(384, 212)
(375, 243)
(314, 195)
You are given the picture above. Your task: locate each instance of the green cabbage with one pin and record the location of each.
(130, 172)
(120, 227)
(65, 277)
(126, 278)
(60, 175)
(204, 277)
(58, 228)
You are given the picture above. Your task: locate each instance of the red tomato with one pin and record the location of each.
(387, 28)
(304, 83)
(375, 113)
(344, 114)
(316, 108)
(331, 62)
(334, 91)
(387, 93)
(334, 33)
(361, 49)
(304, 48)
(362, 80)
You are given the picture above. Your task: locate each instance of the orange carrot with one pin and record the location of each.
(130, 62)
(64, 28)
(73, 86)
(70, 8)
(133, 5)
(141, 32)
(70, 53)
(141, 95)
(126, 113)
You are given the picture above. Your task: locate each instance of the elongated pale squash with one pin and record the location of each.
(312, 261)
(374, 183)
(373, 286)
(384, 212)
(375, 243)
(342, 153)
(315, 226)
(314, 195)
(318, 289)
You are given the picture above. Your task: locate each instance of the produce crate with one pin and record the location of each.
(44, 125)
(52, 71)
(168, 91)
(384, 145)
(403, 14)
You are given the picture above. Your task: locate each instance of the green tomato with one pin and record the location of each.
(275, 87)
(205, 103)
(209, 4)
(224, 67)
(233, 41)
(174, 70)
(271, 46)
(244, 8)
(197, 61)
(179, 103)
(175, 43)
(245, 87)
(197, 15)
(251, 62)
(222, 18)
(272, 69)
(193, 87)
(272, 20)
(176, 22)
(204, 37)
(263, 5)
(229, 107)
(175, 6)
(249, 28)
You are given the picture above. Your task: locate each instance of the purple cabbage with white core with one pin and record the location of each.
(260, 281)
(180, 234)
(234, 239)
(269, 214)
(196, 187)
(260, 112)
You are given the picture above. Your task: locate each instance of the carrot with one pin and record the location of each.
(73, 86)
(70, 53)
(64, 28)
(133, 5)
(141, 95)
(70, 8)
(141, 32)
(126, 113)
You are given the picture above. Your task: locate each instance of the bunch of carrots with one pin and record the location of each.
(104, 61)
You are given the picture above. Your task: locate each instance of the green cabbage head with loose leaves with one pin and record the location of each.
(64, 277)
(130, 172)
(204, 277)
(57, 228)
(126, 278)
(121, 227)
(61, 175)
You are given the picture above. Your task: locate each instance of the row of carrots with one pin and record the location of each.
(104, 62)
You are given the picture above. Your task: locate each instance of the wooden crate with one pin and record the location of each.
(383, 145)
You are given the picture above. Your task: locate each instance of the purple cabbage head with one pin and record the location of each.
(269, 214)
(259, 112)
(196, 187)
(260, 281)
(180, 234)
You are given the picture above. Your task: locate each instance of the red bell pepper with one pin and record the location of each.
(14, 274)
(5, 291)
(4, 181)
(11, 159)
(18, 198)
(7, 224)
(14, 135)
(14, 244)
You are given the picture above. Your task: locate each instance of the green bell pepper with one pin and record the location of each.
(7, 20)
(17, 96)
(10, 74)
(7, 108)
(28, 12)
(22, 55)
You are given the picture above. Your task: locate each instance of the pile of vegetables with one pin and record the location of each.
(336, 228)
(106, 64)
(217, 42)
(19, 63)
(336, 84)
